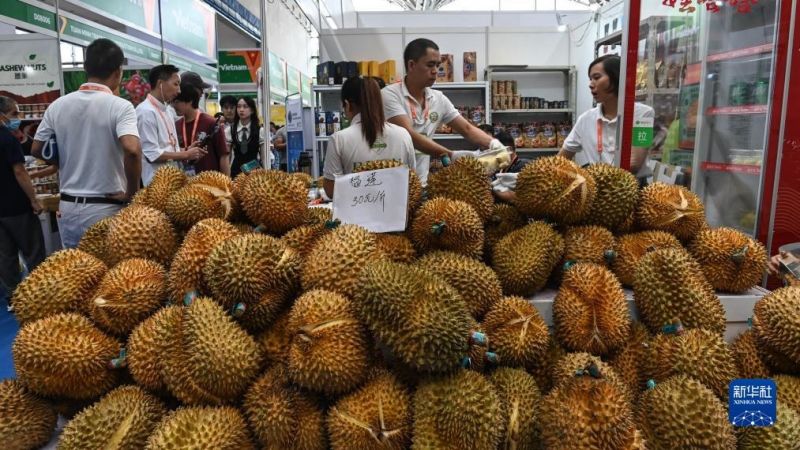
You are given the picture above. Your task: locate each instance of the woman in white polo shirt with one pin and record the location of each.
(369, 137)
(593, 138)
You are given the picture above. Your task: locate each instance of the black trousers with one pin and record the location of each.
(19, 234)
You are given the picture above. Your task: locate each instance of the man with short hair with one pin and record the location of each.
(413, 105)
(195, 123)
(156, 127)
(20, 229)
(99, 159)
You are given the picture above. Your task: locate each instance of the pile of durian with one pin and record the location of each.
(226, 314)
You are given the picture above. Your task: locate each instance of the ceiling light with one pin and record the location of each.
(331, 23)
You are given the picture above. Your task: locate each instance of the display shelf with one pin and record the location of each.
(737, 110)
(532, 111)
(747, 169)
(446, 137)
(465, 85)
(740, 53)
(527, 70)
(614, 38)
(570, 88)
(323, 138)
(658, 91)
(537, 150)
(738, 308)
(326, 88)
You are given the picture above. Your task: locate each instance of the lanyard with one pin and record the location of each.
(425, 111)
(599, 136)
(194, 130)
(172, 140)
(96, 88)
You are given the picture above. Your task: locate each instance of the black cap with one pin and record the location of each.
(194, 80)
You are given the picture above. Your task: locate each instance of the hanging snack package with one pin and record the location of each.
(550, 138)
(563, 132)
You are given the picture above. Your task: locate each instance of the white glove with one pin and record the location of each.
(464, 154)
(496, 145)
(505, 182)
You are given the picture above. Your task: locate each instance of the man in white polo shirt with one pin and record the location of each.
(99, 154)
(413, 105)
(157, 126)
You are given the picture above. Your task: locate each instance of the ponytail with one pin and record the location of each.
(366, 95)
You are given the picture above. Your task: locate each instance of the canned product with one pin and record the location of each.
(739, 93)
(761, 91)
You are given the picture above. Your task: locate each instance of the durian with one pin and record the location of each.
(731, 260)
(748, 356)
(627, 362)
(617, 196)
(466, 181)
(62, 283)
(525, 258)
(476, 283)
(671, 208)
(94, 240)
(396, 247)
(516, 332)
(166, 181)
(788, 391)
(276, 201)
(574, 364)
(26, 421)
(303, 238)
(141, 232)
(199, 200)
(275, 340)
(328, 344)
(147, 345)
(783, 434)
(590, 311)
(457, 412)
(65, 356)
(630, 249)
(123, 419)
(556, 188)
(202, 428)
(669, 286)
(336, 262)
(519, 398)
(444, 224)
(776, 322)
(505, 218)
(318, 216)
(128, 294)
(589, 243)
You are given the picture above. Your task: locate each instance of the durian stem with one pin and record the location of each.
(355, 422)
(100, 302)
(739, 255)
(306, 331)
(438, 228)
(512, 434)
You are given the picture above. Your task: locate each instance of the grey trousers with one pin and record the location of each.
(19, 234)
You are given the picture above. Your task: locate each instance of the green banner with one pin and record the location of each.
(191, 25)
(292, 80)
(238, 66)
(277, 74)
(85, 33)
(207, 72)
(134, 86)
(305, 83)
(29, 14)
(140, 13)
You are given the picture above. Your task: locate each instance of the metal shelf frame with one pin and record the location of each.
(570, 88)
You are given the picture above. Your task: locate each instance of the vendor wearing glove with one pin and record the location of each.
(505, 180)
(413, 105)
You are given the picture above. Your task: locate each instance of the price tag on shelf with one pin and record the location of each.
(643, 132)
(377, 200)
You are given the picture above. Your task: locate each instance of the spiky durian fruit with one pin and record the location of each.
(519, 398)
(788, 391)
(444, 224)
(783, 434)
(127, 295)
(476, 283)
(94, 240)
(682, 413)
(617, 196)
(466, 181)
(318, 216)
(557, 188)
(516, 332)
(630, 249)
(141, 232)
(731, 260)
(590, 311)
(586, 412)
(504, 219)
(199, 428)
(275, 201)
(776, 322)
(210, 360)
(147, 345)
(671, 208)
(459, 411)
(328, 344)
(525, 258)
(304, 178)
(396, 247)
(166, 181)
(275, 340)
(572, 364)
(669, 286)
(697, 353)
(336, 262)
(201, 199)
(543, 369)
(26, 421)
(62, 283)
(376, 417)
(123, 419)
(748, 358)
(414, 185)
(589, 243)
(186, 272)
(417, 316)
(303, 238)
(255, 271)
(283, 417)
(628, 360)
(65, 355)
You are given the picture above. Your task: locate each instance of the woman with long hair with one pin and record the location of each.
(369, 137)
(246, 135)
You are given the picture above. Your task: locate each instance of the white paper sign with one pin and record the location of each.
(377, 200)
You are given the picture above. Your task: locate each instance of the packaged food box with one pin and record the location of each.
(445, 74)
(470, 66)
(325, 73)
(321, 128)
(388, 71)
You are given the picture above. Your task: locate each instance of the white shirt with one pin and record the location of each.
(87, 125)
(583, 138)
(348, 148)
(158, 134)
(239, 129)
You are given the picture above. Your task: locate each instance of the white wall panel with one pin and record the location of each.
(456, 42)
(363, 44)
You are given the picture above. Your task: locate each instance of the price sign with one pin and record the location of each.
(377, 200)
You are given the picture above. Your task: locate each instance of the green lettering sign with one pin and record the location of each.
(83, 33)
(140, 13)
(191, 25)
(23, 12)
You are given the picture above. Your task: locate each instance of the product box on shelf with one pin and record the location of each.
(374, 69)
(321, 127)
(388, 71)
(363, 68)
(332, 122)
(470, 66)
(445, 74)
(325, 73)
(345, 70)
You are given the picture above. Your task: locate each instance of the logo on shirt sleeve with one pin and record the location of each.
(434, 116)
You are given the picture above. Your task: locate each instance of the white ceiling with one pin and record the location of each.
(476, 5)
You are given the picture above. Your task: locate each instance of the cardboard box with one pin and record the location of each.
(470, 66)
(389, 71)
(321, 128)
(445, 74)
(374, 69)
(363, 68)
(345, 70)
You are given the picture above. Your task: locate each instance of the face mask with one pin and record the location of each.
(12, 124)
